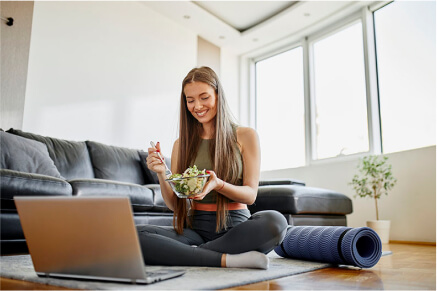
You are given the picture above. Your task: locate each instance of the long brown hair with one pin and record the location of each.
(223, 145)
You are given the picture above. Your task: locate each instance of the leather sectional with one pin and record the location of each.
(36, 165)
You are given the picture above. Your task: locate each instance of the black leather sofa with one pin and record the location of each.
(36, 165)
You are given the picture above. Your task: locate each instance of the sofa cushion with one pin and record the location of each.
(295, 199)
(14, 183)
(25, 155)
(150, 176)
(10, 226)
(154, 218)
(158, 201)
(141, 197)
(70, 157)
(116, 163)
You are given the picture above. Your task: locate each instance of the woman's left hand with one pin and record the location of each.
(213, 183)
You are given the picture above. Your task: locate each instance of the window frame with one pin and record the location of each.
(253, 84)
(372, 98)
(372, 9)
(365, 16)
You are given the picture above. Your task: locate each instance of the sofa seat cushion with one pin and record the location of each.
(13, 183)
(10, 226)
(295, 199)
(141, 197)
(116, 163)
(154, 218)
(25, 155)
(70, 157)
(158, 202)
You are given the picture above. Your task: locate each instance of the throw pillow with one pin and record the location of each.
(115, 163)
(25, 155)
(151, 177)
(71, 158)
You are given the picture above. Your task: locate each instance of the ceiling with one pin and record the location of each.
(231, 12)
(247, 26)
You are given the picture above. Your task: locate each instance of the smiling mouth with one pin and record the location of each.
(201, 113)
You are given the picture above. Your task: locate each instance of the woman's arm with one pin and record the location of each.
(155, 165)
(250, 151)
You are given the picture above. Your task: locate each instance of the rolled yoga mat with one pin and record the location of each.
(359, 247)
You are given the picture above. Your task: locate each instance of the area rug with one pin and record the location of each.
(195, 278)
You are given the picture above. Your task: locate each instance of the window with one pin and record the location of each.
(405, 46)
(280, 117)
(364, 85)
(340, 94)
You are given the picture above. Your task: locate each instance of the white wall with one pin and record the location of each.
(208, 54)
(15, 42)
(411, 205)
(229, 68)
(106, 71)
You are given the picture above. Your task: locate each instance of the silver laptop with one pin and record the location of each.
(85, 237)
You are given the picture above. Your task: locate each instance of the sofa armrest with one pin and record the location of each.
(281, 181)
(14, 183)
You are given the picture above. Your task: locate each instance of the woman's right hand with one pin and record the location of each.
(154, 163)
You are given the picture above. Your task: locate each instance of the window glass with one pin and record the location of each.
(280, 118)
(406, 55)
(340, 94)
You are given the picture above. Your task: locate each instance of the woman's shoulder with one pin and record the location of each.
(246, 132)
(246, 136)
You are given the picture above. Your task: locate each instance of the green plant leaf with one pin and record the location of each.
(374, 178)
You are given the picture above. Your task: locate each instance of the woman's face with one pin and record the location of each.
(201, 101)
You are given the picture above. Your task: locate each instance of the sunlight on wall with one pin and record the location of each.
(93, 120)
(112, 75)
(152, 119)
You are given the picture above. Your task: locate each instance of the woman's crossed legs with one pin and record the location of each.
(264, 230)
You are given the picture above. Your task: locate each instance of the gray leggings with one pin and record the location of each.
(202, 246)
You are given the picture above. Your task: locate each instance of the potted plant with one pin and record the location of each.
(375, 179)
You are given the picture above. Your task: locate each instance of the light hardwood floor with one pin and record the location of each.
(411, 266)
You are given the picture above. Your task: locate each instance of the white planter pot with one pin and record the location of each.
(382, 228)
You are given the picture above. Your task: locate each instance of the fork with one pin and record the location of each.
(167, 170)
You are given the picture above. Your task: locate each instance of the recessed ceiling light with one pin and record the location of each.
(187, 16)
(306, 14)
(222, 37)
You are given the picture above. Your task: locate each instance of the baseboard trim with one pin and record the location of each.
(424, 243)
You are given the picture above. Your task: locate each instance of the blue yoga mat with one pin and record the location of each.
(359, 247)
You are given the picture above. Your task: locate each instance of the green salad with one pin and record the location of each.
(186, 186)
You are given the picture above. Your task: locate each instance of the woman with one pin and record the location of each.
(217, 229)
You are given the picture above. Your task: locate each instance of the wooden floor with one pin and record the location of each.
(409, 267)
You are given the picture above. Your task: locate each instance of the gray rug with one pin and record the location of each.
(201, 278)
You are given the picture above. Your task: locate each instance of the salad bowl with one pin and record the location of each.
(185, 187)
(189, 183)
